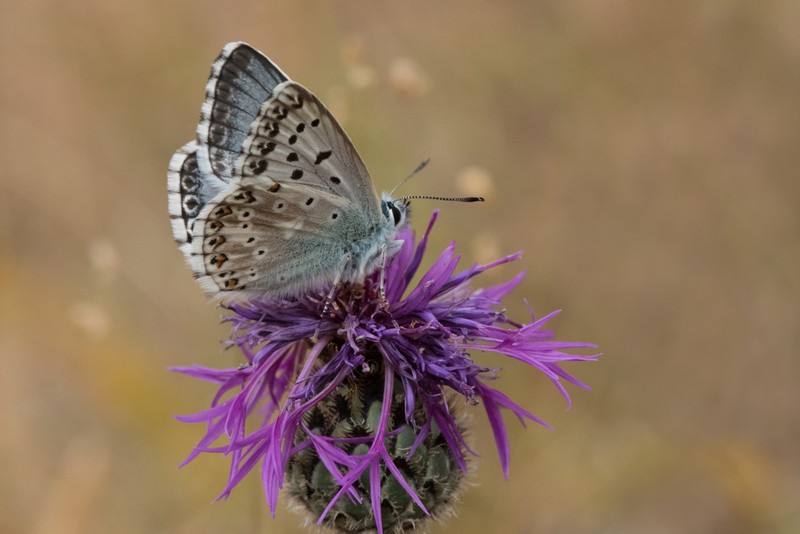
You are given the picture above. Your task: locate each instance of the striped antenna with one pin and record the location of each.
(428, 197)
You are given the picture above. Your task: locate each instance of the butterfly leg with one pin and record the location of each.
(382, 286)
(336, 281)
(387, 251)
(382, 283)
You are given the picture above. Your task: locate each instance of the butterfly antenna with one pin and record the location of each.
(448, 199)
(407, 178)
(428, 197)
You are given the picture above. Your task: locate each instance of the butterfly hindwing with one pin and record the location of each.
(264, 236)
(272, 199)
(188, 192)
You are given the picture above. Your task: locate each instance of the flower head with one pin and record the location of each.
(355, 410)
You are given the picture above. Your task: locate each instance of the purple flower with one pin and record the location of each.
(355, 411)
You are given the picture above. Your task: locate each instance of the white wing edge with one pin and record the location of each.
(175, 207)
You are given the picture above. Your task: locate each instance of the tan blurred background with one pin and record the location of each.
(644, 155)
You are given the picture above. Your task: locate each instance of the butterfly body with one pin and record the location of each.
(272, 198)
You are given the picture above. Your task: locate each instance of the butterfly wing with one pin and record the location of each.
(188, 192)
(241, 80)
(296, 139)
(263, 237)
(283, 200)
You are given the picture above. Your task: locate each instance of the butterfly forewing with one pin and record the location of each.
(241, 80)
(296, 139)
(272, 198)
(299, 181)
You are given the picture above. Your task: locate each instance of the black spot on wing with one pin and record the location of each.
(322, 156)
(257, 166)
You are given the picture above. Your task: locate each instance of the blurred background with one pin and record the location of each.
(643, 155)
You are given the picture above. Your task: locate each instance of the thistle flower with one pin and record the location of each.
(355, 411)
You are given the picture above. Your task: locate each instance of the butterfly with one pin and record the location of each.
(271, 198)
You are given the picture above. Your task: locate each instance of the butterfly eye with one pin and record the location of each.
(396, 214)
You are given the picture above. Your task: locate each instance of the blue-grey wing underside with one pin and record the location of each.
(241, 80)
(272, 197)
